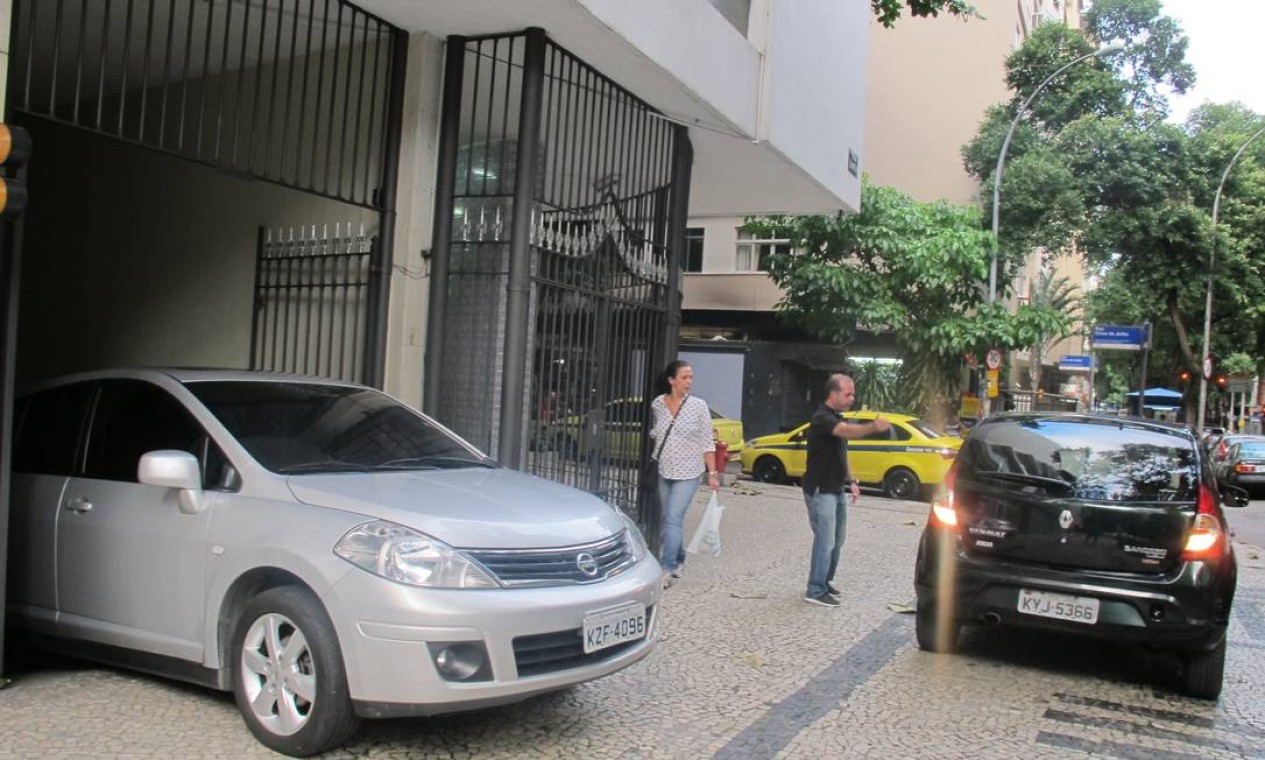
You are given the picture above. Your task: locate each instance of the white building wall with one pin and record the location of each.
(816, 82)
(415, 211)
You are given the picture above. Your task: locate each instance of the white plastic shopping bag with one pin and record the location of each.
(707, 535)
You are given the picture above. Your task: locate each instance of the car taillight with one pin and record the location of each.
(943, 512)
(1206, 537)
(1244, 468)
(947, 453)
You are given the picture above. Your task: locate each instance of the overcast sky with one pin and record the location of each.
(1227, 50)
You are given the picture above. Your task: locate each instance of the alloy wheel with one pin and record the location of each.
(278, 674)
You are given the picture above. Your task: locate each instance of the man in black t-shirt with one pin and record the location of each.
(826, 481)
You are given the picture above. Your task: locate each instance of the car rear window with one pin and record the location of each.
(1104, 461)
(925, 429)
(1253, 450)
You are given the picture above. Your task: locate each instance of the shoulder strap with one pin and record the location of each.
(671, 425)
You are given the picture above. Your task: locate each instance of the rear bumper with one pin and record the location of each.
(1187, 609)
(1246, 480)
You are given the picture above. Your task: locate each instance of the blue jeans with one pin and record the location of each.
(675, 496)
(828, 516)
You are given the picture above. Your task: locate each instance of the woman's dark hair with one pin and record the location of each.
(670, 372)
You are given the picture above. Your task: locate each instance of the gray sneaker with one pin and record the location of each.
(825, 600)
(678, 571)
(830, 589)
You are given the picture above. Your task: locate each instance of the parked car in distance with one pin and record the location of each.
(908, 461)
(622, 424)
(1244, 465)
(1110, 528)
(318, 548)
(1220, 449)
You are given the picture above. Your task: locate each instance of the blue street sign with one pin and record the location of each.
(1124, 337)
(1075, 363)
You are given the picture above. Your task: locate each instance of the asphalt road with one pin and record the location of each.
(1248, 523)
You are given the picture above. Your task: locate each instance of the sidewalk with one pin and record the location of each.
(744, 669)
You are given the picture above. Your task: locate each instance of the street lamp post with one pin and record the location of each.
(1212, 257)
(1001, 161)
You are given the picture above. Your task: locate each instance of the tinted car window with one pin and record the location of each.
(1099, 461)
(308, 427)
(133, 418)
(48, 427)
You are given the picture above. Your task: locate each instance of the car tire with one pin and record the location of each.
(769, 469)
(268, 679)
(901, 483)
(1204, 671)
(925, 630)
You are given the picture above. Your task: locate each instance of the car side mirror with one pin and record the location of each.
(174, 469)
(1236, 496)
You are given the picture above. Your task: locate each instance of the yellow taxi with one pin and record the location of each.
(907, 461)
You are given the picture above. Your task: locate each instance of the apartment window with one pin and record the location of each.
(753, 253)
(693, 261)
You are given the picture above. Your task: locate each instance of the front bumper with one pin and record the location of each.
(384, 629)
(1186, 609)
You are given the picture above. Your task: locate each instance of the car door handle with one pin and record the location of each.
(79, 505)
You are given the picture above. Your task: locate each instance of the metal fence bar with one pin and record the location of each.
(305, 286)
(329, 138)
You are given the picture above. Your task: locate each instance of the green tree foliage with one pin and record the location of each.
(1094, 167)
(913, 269)
(887, 12)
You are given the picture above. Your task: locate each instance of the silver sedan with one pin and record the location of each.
(319, 548)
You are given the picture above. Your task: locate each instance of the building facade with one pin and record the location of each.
(928, 84)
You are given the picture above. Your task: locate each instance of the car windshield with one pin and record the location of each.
(306, 428)
(1097, 461)
(925, 429)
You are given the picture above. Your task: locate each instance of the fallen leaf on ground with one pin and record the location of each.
(749, 594)
(903, 609)
(754, 660)
(911, 522)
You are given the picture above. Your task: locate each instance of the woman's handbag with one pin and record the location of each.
(707, 535)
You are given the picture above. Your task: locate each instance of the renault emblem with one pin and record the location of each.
(1066, 519)
(586, 564)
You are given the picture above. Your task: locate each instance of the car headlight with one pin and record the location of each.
(403, 555)
(636, 541)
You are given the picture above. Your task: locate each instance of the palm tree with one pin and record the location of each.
(1055, 292)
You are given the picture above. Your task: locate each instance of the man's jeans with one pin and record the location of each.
(675, 496)
(828, 516)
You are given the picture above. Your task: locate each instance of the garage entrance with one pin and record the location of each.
(170, 136)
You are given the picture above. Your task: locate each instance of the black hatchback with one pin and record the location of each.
(1098, 526)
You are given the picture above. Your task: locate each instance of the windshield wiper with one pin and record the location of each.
(1023, 477)
(434, 462)
(329, 465)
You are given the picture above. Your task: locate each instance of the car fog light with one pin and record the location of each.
(461, 660)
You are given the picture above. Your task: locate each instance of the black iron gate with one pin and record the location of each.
(560, 216)
(312, 301)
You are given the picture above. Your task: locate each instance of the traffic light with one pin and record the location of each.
(1184, 375)
(15, 149)
(1222, 380)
